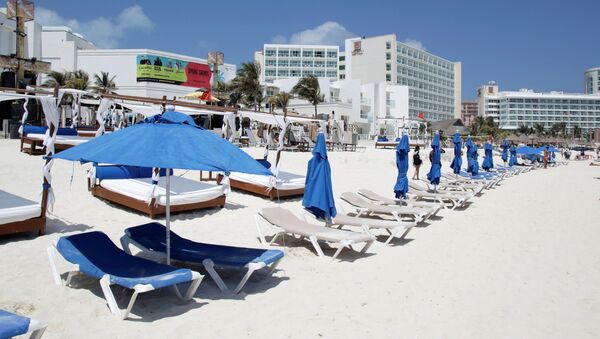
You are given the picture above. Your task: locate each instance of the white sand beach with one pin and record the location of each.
(522, 260)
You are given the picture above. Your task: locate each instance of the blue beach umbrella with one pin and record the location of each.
(469, 145)
(488, 160)
(402, 150)
(436, 165)
(505, 151)
(169, 141)
(457, 161)
(474, 160)
(318, 191)
(513, 156)
(528, 150)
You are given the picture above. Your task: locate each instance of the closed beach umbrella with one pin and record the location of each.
(436, 165)
(169, 141)
(402, 150)
(488, 160)
(469, 153)
(513, 156)
(457, 161)
(475, 160)
(318, 190)
(505, 151)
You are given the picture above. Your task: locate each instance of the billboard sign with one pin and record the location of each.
(154, 68)
(23, 9)
(216, 58)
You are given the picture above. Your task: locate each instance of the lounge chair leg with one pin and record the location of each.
(109, 296)
(275, 238)
(130, 305)
(210, 268)
(315, 244)
(51, 258)
(197, 279)
(251, 268)
(338, 251)
(273, 267)
(367, 245)
(260, 235)
(37, 334)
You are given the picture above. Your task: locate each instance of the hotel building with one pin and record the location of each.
(434, 83)
(592, 81)
(468, 111)
(512, 109)
(280, 61)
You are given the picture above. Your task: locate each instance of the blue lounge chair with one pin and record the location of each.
(12, 325)
(94, 254)
(150, 238)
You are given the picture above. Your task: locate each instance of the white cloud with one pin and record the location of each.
(103, 32)
(328, 33)
(414, 44)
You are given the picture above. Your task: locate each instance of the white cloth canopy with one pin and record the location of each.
(274, 119)
(104, 107)
(50, 107)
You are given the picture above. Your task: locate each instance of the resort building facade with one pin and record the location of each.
(434, 83)
(468, 111)
(592, 81)
(280, 61)
(511, 109)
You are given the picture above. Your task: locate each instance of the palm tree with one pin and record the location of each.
(56, 78)
(247, 84)
(104, 83)
(539, 129)
(78, 80)
(281, 100)
(308, 89)
(222, 90)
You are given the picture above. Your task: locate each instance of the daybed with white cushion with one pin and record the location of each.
(286, 184)
(20, 215)
(34, 137)
(130, 186)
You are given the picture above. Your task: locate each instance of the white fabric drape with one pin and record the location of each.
(104, 107)
(153, 192)
(231, 122)
(25, 114)
(51, 115)
(75, 109)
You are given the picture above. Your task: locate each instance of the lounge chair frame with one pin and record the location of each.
(208, 264)
(312, 239)
(152, 209)
(73, 269)
(271, 193)
(37, 224)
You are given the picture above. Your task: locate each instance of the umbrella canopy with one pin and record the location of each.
(505, 151)
(474, 160)
(469, 145)
(170, 140)
(402, 150)
(436, 165)
(527, 150)
(318, 190)
(513, 156)
(488, 160)
(457, 161)
(543, 148)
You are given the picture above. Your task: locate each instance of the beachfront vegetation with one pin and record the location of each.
(484, 126)
(77, 79)
(104, 83)
(308, 89)
(281, 100)
(247, 85)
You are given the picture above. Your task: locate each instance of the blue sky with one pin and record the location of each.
(543, 45)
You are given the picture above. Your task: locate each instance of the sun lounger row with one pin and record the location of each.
(95, 255)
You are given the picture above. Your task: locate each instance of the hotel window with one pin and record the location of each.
(319, 54)
(283, 73)
(307, 63)
(283, 63)
(307, 72)
(319, 73)
(342, 76)
(331, 74)
(319, 63)
(331, 63)
(295, 73)
(270, 72)
(388, 67)
(342, 57)
(295, 63)
(388, 45)
(270, 62)
(307, 54)
(342, 67)
(331, 54)
(270, 52)
(295, 53)
(388, 56)
(283, 53)
(388, 77)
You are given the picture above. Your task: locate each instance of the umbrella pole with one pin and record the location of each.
(168, 215)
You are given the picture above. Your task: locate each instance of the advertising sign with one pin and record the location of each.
(216, 58)
(154, 68)
(23, 9)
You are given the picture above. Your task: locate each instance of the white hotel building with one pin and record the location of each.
(434, 83)
(592, 81)
(526, 107)
(280, 61)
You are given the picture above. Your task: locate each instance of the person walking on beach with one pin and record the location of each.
(417, 162)
(546, 157)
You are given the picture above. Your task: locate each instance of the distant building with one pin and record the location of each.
(434, 83)
(468, 111)
(280, 61)
(511, 109)
(592, 81)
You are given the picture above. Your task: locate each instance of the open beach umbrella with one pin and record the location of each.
(169, 141)
(402, 150)
(436, 165)
(318, 190)
(474, 160)
(488, 160)
(527, 150)
(505, 151)
(457, 161)
(469, 153)
(513, 156)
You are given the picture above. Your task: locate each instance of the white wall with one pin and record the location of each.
(370, 65)
(457, 89)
